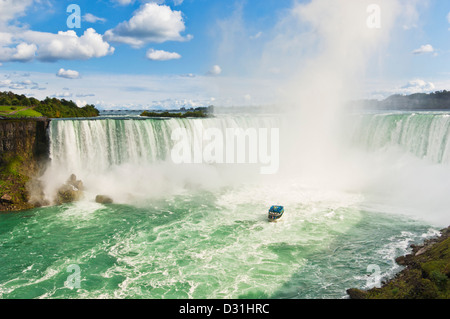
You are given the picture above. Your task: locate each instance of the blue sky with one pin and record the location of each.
(167, 54)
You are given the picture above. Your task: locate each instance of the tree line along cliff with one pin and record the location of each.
(49, 107)
(439, 100)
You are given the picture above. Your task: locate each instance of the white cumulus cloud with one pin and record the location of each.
(427, 48)
(215, 70)
(160, 55)
(20, 44)
(27, 45)
(89, 17)
(10, 9)
(68, 46)
(24, 52)
(68, 74)
(417, 86)
(150, 23)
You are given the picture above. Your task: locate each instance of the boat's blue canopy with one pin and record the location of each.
(276, 209)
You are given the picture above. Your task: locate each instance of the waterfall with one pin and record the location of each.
(426, 135)
(97, 145)
(392, 158)
(130, 157)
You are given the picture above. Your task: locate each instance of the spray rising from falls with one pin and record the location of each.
(396, 160)
(400, 162)
(327, 50)
(133, 158)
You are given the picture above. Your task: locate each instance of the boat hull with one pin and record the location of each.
(274, 218)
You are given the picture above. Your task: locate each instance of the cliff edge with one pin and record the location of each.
(24, 151)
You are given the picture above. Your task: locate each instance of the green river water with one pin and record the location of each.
(196, 242)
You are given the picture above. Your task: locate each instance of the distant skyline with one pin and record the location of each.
(144, 54)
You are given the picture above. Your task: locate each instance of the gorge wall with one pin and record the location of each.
(24, 151)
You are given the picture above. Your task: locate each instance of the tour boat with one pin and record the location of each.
(275, 213)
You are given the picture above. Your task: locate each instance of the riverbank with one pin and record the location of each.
(425, 276)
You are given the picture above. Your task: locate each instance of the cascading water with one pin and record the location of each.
(400, 162)
(199, 231)
(132, 157)
(96, 145)
(426, 135)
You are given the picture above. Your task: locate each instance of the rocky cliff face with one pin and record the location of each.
(24, 150)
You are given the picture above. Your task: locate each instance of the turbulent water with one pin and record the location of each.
(201, 231)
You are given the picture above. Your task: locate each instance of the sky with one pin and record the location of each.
(166, 54)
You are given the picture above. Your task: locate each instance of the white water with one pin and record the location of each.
(130, 160)
(425, 135)
(402, 163)
(187, 230)
(398, 163)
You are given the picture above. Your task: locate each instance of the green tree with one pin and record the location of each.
(15, 101)
(5, 100)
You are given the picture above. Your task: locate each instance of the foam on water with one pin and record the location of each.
(199, 245)
(202, 232)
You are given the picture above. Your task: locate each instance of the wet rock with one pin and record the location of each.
(357, 294)
(103, 199)
(75, 183)
(6, 199)
(422, 251)
(401, 261)
(70, 192)
(72, 178)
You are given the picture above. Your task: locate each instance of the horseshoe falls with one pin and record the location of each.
(201, 231)
(425, 135)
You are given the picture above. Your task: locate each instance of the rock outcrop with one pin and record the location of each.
(103, 199)
(71, 191)
(6, 199)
